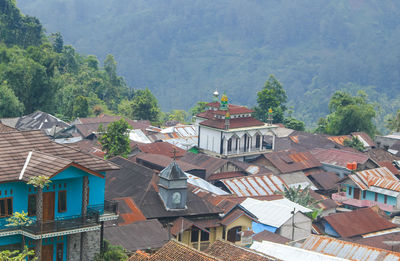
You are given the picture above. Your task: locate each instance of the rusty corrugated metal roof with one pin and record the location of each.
(339, 139)
(379, 177)
(348, 250)
(291, 161)
(256, 185)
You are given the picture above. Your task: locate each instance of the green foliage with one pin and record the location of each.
(294, 124)
(80, 107)
(393, 122)
(177, 115)
(349, 114)
(16, 255)
(354, 143)
(145, 106)
(58, 42)
(115, 139)
(303, 198)
(10, 106)
(39, 181)
(19, 219)
(272, 96)
(112, 253)
(199, 107)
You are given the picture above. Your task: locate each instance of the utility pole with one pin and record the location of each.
(293, 212)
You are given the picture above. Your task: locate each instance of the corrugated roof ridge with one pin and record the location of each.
(350, 243)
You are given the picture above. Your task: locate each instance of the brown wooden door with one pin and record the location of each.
(47, 253)
(356, 193)
(48, 205)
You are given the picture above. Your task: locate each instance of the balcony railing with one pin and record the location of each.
(109, 207)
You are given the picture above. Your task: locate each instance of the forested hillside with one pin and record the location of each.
(37, 72)
(183, 50)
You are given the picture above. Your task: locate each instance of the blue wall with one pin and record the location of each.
(369, 195)
(330, 231)
(258, 227)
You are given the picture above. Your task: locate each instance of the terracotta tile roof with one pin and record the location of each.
(163, 148)
(145, 235)
(291, 161)
(324, 180)
(175, 251)
(234, 123)
(48, 156)
(358, 222)
(233, 109)
(136, 124)
(229, 251)
(5, 128)
(339, 157)
(269, 236)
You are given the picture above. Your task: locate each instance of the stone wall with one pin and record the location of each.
(91, 245)
(74, 247)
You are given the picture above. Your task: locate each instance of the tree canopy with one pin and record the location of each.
(272, 96)
(348, 114)
(145, 106)
(114, 139)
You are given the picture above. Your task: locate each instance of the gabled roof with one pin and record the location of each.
(163, 161)
(358, 222)
(255, 185)
(291, 161)
(272, 213)
(325, 180)
(364, 138)
(104, 118)
(229, 251)
(141, 184)
(233, 110)
(210, 164)
(266, 235)
(379, 177)
(175, 251)
(146, 234)
(38, 121)
(347, 250)
(339, 157)
(5, 128)
(304, 141)
(163, 148)
(48, 155)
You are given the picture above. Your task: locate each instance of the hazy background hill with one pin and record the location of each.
(184, 49)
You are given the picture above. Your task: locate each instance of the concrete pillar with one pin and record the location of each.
(273, 142)
(226, 147)
(250, 143)
(238, 147)
(261, 141)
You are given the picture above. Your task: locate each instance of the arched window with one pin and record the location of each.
(235, 234)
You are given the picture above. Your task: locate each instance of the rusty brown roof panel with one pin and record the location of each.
(358, 222)
(291, 161)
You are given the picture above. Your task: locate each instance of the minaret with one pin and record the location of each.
(224, 103)
(227, 120)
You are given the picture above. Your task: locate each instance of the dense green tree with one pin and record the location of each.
(112, 253)
(354, 143)
(115, 139)
(294, 124)
(350, 114)
(58, 42)
(272, 96)
(199, 107)
(303, 197)
(393, 122)
(145, 106)
(10, 106)
(80, 107)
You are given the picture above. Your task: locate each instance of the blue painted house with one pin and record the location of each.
(69, 224)
(371, 187)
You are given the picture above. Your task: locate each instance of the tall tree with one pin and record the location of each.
(272, 96)
(145, 106)
(350, 114)
(115, 139)
(10, 106)
(393, 122)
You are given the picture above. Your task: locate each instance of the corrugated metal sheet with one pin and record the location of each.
(261, 185)
(380, 178)
(272, 213)
(339, 139)
(348, 250)
(289, 253)
(201, 183)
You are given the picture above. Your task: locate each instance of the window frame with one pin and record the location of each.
(6, 209)
(59, 202)
(30, 214)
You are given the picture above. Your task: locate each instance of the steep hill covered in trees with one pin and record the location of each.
(183, 50)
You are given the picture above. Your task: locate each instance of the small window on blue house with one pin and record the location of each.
(376, 196)
(60, 252)
(6, 207)
(350, 190)
(364, 194)
(62, 201)
(385, 199)
(32, 205)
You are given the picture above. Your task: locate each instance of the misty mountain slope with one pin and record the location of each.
(183, 50)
